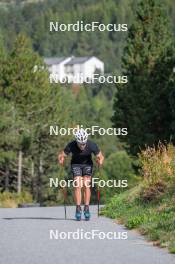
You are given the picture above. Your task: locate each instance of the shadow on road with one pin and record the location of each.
(38, 218)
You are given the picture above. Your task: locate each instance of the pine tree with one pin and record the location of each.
(142, 105)
(22, 91)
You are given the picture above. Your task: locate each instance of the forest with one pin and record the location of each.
(144, 105)
(33, 19)
(30, 104)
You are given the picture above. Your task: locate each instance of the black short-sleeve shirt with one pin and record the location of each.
(81, 156)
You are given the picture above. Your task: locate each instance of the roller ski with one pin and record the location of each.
(78, 213)
(87, 214)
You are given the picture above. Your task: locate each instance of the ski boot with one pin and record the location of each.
(87, 214)
(78, 213)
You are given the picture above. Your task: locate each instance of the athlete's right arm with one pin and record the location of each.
(64, 153)
(61, 157)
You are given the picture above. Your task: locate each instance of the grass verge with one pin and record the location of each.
(155, 219)
(11, 200)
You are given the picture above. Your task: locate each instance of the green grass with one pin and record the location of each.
(154, 219)
(11, 200)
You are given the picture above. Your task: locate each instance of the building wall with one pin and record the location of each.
(91, 66)
(86, 70)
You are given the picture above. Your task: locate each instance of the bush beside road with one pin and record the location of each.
(150, 206)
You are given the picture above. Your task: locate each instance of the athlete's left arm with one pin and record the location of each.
(100, 158)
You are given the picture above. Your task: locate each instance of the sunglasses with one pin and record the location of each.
(81, 144)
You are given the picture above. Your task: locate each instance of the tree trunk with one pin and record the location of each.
(7, 178)
(40, 172)
(33, 179)
(19, 172)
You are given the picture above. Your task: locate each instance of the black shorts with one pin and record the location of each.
(81, 170)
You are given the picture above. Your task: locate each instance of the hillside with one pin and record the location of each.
(33, 18)
(149, 206)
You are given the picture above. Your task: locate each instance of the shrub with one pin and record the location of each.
(11, 200)
(119, 166)
(158, 170)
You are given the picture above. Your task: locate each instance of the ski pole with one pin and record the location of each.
(64, 195)
(98, 195)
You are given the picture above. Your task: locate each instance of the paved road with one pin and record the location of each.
(25, 239)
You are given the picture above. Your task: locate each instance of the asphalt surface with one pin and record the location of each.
(42, 236)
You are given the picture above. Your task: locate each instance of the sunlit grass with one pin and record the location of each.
(12, 200)
(150, 206)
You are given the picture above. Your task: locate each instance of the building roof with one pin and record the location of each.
(53, 61)
(71, 60)
(77, 60)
